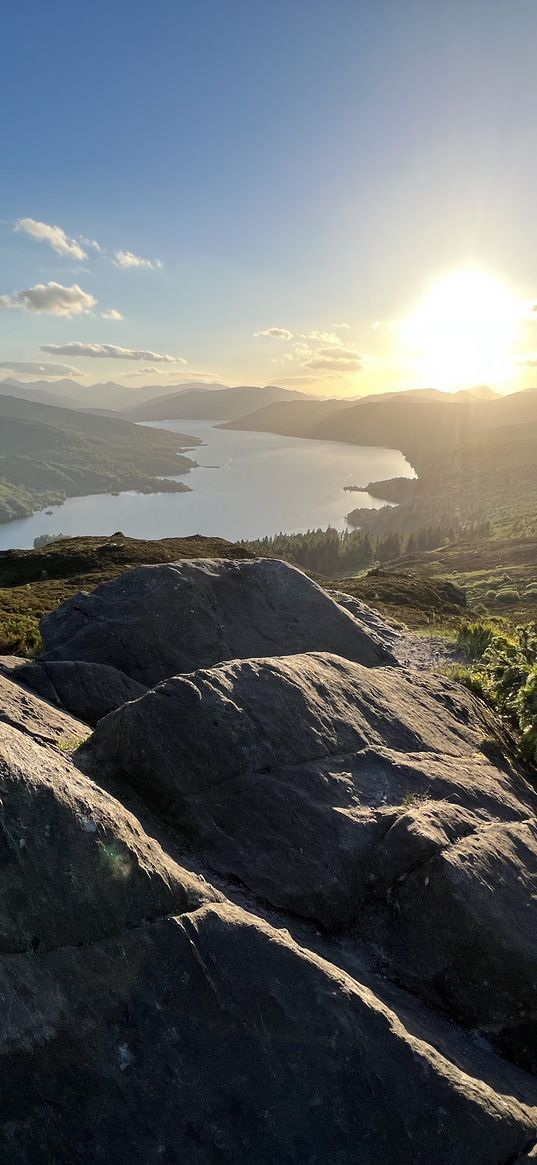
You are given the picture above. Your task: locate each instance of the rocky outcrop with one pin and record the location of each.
(212, 1037)
(34, 717)
(157, 621)
(76, 866)
(279, 908)
(146, 1017)
(88, 691)
(354, 798)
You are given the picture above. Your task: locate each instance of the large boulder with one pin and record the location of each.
(211, 1037)
(353, 797)
(157, 621)
(86, 690)
(147, 1018)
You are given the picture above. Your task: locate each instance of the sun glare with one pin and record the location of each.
(464, 332)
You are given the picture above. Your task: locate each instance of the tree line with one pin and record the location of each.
(334, 553)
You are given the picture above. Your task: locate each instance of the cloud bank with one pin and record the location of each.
(109, 352)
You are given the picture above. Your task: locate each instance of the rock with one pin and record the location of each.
(369, 618)
(158, 621)
(211, 1037)
(352, 797)
(86, 690)
(76, 866)
(148, 1018)
(35, 718)
(479, 962)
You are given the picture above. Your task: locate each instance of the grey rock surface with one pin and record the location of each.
(210, 1036)
(157, 621)
(76, 866)
(280, 909)
(88, 691)
(353, 797)
(34, 717)
(369, 618)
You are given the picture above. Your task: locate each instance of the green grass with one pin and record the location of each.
(474, 638)
(19, 635)
(69, 743)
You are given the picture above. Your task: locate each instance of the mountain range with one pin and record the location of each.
(108, 395)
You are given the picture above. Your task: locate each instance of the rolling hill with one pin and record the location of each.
(49, 453)
(201, 404)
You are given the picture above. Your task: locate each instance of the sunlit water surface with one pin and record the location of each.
(263, 484)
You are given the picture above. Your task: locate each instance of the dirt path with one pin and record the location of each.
(423, 652)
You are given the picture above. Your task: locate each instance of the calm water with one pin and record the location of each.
(263, 484)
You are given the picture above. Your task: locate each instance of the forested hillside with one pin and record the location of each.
(49, 453)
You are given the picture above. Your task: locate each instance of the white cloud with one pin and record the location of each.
(335, 358)
(339, 326)
(149, 372)
(322, 338)
(335, 364)
(53, 298)
(95, 246)
(109, 352)
(33, 368)
(111, 314)
(55, 236)
(339, 353)
(276, 333)
(128, 259)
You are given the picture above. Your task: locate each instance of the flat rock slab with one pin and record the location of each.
(88, 691)
(158, 621)
(353, 797)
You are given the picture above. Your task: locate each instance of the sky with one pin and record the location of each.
(334, 195)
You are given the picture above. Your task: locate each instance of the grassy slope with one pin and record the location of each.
(486, 571)
(422, 604)
(47, 453)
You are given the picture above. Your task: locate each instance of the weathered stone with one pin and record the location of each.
(369, 618)
(75, 865)
(32, 716)
(157, 621)
(212, 1037)
(86, 690)
(351, 796)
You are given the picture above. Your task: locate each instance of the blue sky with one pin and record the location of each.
(292, 164)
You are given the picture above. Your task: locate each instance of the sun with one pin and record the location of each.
(464, 332)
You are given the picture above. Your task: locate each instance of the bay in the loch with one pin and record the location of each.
(263, 484)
